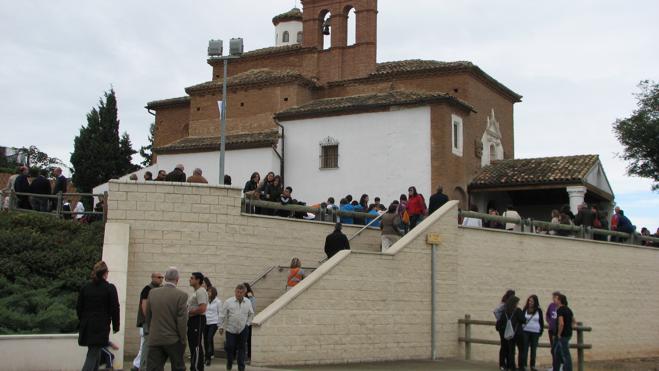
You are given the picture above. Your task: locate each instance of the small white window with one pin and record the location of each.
(285, 37)
(299, 37)
(456, 135)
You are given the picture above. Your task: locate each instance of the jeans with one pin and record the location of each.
(235, 343)
(562, 354)
(503, 351)
(414, 220)
(510, 352)
(209, 342)
(530, 341)
(93, 359)
(552, 343)
(143, 354)
(196, 326)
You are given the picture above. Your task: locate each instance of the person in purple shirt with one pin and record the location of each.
(551, 317)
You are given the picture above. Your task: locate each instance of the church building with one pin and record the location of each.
(320, 110)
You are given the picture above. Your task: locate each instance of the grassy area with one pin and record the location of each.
(43, 263)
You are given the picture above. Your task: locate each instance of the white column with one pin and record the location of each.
(577, 195)
(115, 255)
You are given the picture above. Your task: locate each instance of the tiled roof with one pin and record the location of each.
(294, 14)
(168, 102)
(369, 101)
(529, 171)
(233, 141)
(419, 66)
(258, 76)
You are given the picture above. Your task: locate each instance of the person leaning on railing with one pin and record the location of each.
(22, 185)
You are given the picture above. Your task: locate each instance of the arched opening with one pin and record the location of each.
(325, 29)
(351, 17)
(285, 37)
(493, 153)
(299, 37)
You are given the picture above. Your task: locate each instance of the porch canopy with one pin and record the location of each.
(536, 186)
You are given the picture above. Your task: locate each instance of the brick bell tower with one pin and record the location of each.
(341, 61)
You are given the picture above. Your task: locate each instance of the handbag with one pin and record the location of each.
(406, 217)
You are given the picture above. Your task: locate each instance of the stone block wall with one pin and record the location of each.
(368, 307)
(197, 227)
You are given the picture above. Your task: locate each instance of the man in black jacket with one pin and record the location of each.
(41, 186)
(177, 175)
(585, 216)
(60, 185)
(437, 200)
(336, 241)
(22, 185)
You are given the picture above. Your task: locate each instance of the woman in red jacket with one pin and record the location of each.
(416, 207)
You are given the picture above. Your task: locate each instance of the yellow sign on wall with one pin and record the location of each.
(433, 239)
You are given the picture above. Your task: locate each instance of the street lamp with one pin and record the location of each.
(215, 51)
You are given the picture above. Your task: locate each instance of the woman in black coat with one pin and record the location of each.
(516, 317)
(97, 307)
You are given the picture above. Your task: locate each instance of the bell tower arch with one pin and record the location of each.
(341, 61)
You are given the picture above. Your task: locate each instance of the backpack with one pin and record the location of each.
(406, 217)
(509, 333)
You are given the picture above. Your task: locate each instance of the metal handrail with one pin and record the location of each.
(581, 230)
(59, 196)
(366, 226)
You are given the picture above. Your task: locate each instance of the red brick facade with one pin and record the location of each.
(342, 71)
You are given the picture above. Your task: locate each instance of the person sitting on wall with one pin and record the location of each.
(227, 179)
(336, 241)
(177, 175)
(197, 177)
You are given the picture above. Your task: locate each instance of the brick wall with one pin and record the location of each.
(200, 228)
(364, 307)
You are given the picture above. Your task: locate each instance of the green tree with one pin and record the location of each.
(639, 134)
(40, 160)
(99, 153)
(146, 151)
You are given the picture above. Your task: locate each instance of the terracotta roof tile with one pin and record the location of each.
(294, 14)
(419, 66)
(543, 170)
(168, 102)
(257, 76)
(369, 101)
(233, 141)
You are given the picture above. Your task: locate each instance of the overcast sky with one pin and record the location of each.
(576, 63)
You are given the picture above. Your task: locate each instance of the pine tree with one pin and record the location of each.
(146, 151)
(99, 154)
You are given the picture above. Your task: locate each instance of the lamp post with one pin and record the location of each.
(215, 51)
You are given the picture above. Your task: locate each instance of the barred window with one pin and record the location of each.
(285, 37)
(329, 156)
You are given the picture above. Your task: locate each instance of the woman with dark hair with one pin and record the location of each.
(498, 313)
(273, 192)
(403, 216)
(212, 319)
(269, 178)
(510, 327)
(97, 308)
(416, 207)
(249, 294)
(534, 325)
(206, 283)
(252, 185)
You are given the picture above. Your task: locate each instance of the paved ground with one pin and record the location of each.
(450, 365)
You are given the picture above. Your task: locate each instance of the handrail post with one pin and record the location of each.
(12, 200)
(58, 208)
(580, 343)
(521, 225)
(467, 337)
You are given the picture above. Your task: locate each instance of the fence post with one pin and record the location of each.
(58, 208)
(580, 352)
(12, 200)
(467, 337)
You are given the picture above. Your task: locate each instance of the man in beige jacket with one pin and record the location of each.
(166, 318)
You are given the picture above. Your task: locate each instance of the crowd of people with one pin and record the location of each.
(521, 329)
(588, 216)
(169, 319)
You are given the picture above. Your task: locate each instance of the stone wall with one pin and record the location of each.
(200, 228)
(362, 307)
